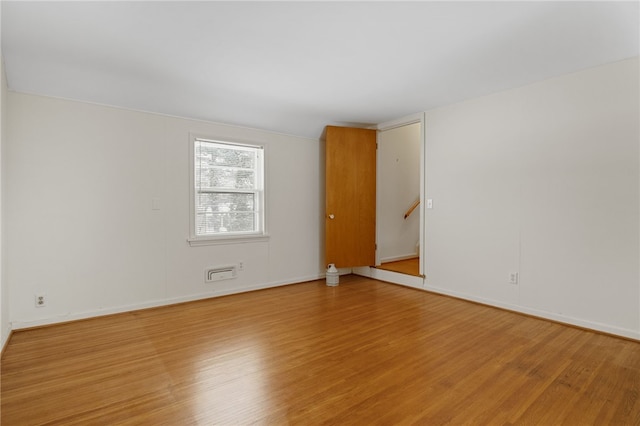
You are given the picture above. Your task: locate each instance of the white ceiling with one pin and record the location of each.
(294, 67)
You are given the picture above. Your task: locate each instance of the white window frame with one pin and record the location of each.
(230, 238)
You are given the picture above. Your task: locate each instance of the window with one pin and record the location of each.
(227, 190)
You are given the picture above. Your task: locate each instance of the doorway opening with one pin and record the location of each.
(400, 183)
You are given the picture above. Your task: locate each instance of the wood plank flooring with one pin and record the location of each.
(407, 266)
(364, 352)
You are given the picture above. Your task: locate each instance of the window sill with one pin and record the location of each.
(237, 239)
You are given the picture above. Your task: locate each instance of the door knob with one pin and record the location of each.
(331, 216)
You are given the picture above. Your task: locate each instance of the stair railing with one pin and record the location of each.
(411, 209)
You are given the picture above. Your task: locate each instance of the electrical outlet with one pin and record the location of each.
(41, 300)
(240, 266)
(513, 278)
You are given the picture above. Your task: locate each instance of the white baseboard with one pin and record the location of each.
(420, 283)
(390, 276)
(591, 325)
(379, 274)
(17, 325)
(398, 258)
(5, 338)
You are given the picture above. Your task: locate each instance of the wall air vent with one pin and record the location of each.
(220, 273)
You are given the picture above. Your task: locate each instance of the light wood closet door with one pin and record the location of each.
(350, 220)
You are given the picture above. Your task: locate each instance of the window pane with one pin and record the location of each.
(225, 202)
(223, 178)
(219, 223)
(225, 212)
(228, 188)
(214, 154)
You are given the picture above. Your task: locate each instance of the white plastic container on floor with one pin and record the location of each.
(332, 276)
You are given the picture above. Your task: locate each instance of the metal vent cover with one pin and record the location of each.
(220, 273)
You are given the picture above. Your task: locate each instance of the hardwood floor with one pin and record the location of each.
(364, 352)
(407, 266)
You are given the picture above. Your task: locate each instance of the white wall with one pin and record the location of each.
(399, 179)
(542, 180)
(4, 288)
(80, 228)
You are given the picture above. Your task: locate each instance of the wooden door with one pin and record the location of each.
(350, 215)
